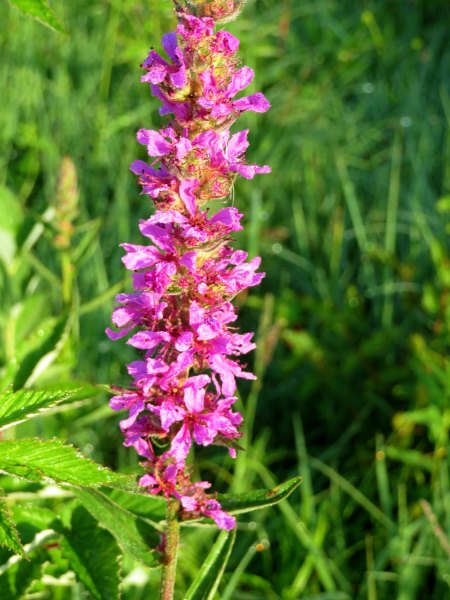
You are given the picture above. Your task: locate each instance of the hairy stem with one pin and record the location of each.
(170, 550)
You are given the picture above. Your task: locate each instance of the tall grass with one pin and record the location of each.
(352, 319)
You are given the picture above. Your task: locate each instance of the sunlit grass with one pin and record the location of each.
(352, 318)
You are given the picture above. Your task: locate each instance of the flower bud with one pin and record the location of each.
(66, 202)
(222, 11)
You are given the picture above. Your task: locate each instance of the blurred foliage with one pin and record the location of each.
(352, 318)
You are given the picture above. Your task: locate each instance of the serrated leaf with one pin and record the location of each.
(208, 578)
(242, 503)
(9, 536)
(134, 535)
(16, 407)
(35, 459)
(39, 10)
(93, 555)
(80, 389)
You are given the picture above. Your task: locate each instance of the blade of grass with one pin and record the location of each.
(230, 590)
(384, 491)
(307, 510)
(352, 203)
(354, 493)
(391, 227)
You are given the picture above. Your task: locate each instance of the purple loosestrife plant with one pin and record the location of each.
(186, 274)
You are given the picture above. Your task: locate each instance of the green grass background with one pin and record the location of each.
(353, 316)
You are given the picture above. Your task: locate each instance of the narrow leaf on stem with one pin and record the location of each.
(242, 503)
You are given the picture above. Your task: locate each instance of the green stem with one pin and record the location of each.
(171, 551)
(67, 277)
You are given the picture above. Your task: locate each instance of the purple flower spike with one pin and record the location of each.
(180, 316)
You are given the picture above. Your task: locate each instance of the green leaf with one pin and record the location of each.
(39, 10)
(9, 536)
(16, 407)
(35, 459)
(86, 245)
(32, 519)
(208, 578)
(258, 499)
(15, 580)
(11, 216)
(11, 210)
(27, 316)
(93, 555)
(134, 535)
(411, 457)
(48, 343)
(80, 390)
(144, 505)
(19, 572)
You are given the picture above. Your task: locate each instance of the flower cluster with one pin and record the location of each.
(185, 276)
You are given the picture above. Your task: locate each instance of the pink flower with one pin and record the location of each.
(185, 273)
(159, 70)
